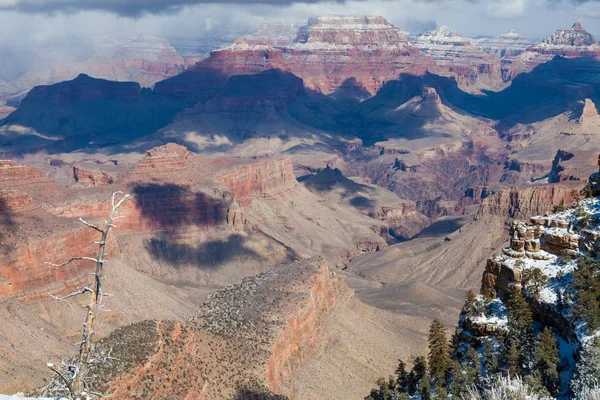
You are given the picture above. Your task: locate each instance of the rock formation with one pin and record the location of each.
(571, 43)
(21, 177)
(271, 177)
(456, 55)
(527, 201)
(368, 51)
(93, 178)
(510, 44)
(589, 111)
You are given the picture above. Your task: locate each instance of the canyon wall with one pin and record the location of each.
(301, 337)
(265, 178)
(527, 201)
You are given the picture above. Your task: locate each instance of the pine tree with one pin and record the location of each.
(439, 352)
(521, 340)
(490, 360)
(547, 359)
(588, 368)
(402, 377)
(417, 374)
(469, 307)
(513, 358)
(586, 280)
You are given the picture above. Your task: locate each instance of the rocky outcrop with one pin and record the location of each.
(594, 182)
(170, 157)
(456, 55)
(589, 111)
(526, 201)
(302, 333)
(264, 179)
(571, 43)
(510, 44)
(21, 177)
(24, 274)
(357, 53)
(91, 178)
(360, 51)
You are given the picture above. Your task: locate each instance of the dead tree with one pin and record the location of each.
(75, 374)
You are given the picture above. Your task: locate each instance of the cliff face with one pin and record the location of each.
(571, 43)
(301, 337)
(23, 273)
(270, 177)
(456, 55)
(531, 200)
(20, 177)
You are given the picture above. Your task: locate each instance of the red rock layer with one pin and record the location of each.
(266, 178)
(356, 52)
(24, 274)
(21, 177)
(302, 335)
(170, 157)
(92, 178)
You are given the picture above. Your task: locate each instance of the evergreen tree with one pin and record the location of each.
(490, 360)
(586, 280)
(547, 359)
(402, 377)
(439, 352)
(417, 375)
(521, 340)
(425, 390)
(588, 368)
(386, 390)
(513, 358)
(469, 307)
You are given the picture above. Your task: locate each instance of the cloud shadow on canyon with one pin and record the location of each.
(7, 223)
(170, 206)
(250, 104)
(206, 255)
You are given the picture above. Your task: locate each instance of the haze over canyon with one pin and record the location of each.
(305, 202)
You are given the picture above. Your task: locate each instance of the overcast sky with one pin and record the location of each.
(24, 22)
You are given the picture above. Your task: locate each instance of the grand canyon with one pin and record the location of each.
(308, 209)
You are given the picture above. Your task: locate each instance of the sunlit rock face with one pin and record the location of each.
(573, 42)
(458, 56)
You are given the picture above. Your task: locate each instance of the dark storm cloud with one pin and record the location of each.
(130, 8)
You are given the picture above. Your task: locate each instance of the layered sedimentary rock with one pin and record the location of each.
(571, 43)
(269, 177)
(510, 44)
(357, 52)
(526, 201)
(456, 55)
(21, 177)
(93, 178)
(589, 112)
(360, 51)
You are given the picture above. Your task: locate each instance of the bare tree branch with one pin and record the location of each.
(77, 383)
(90, 225)
(73, 259)
(83, 290)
